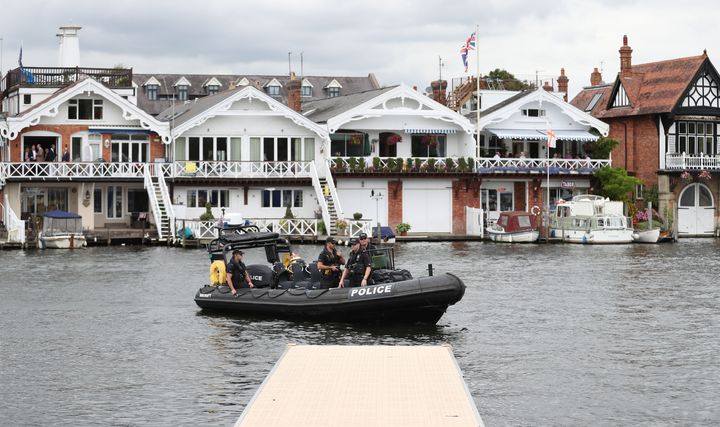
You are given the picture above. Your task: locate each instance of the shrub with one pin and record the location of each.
(207, 216)
(403, 227)
(357, 216)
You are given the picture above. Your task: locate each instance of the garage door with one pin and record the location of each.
(360, 200)
(428, 210)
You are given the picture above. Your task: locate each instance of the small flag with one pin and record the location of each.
(467, 46)
(551, 138)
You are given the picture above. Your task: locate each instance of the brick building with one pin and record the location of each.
(665, 115)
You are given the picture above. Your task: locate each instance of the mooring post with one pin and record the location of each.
(430, 270)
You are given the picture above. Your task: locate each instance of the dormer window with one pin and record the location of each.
(332, 92)
(151, 91)
(273, 90)
(306, 91)
(182, 92)
(212, 89)
(533, 112)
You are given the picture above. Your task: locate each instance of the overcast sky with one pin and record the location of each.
(399, 41)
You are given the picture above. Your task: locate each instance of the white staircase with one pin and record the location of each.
(327, 197)
(160, 202)
(15, 227)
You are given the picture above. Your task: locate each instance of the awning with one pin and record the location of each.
(575, 135)
(519, 133)
(116, 129)
(430, 130)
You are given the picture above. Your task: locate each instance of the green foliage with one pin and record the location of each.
(353, 164)
(207, 216)
(376, 163)
(431, 164)
(408, 165)
(288, 213)
(615, 183)
(652, 196)
(462, 164)
(508, 80)
(418, 164)
(322, 230)
(361, 164)
(403, 227)
(471, 164)
(601, 148)
(449, 165)
(357, 216)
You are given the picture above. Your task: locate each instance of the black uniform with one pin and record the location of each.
(238, 274)
(329, 278)
(356, 265)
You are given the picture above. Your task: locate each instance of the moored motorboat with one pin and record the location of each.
(61, 230)
(514, 227)
(394, 297)
(646, 236)
(590, 219)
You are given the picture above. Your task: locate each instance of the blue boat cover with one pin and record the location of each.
(61, 214)
(385, 233)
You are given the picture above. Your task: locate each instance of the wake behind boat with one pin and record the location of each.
(393, 296)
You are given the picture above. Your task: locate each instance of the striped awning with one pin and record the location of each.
(430, 130)
(537, 134)
(574, 135)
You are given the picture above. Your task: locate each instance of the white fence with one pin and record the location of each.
(14, 226)
(357, 226)
(286, 227)
(474, 221)
(693, 162)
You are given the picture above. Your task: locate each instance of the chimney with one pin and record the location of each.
(547, 86)
(625, 58)
(595, 78)
(438, 89)
(69, 46)
(563, 84)
(293, 90)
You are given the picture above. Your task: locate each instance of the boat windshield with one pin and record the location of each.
(58, 226)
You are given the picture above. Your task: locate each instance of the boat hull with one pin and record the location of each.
(597, 237)
(517, 237)
(63, 242)
(647, 236)
(422, 300)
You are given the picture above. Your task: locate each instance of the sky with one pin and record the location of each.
(399, 41)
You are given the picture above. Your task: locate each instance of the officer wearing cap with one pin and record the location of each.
(329, 263)
(365, 242)
(237, 275)
(358, 267)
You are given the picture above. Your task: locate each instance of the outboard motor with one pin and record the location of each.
(261, 275)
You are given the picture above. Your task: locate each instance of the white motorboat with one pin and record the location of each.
(62, 230)
(591, 219)
(514, 227)
(646, 236)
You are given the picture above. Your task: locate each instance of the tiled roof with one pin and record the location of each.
(652, 88)
(197, 89)
(321, 110)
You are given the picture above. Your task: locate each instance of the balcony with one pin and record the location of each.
(482, 165)
(180, 169)
(61, 76)
(691, 162)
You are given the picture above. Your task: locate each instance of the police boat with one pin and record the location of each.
(293, 291)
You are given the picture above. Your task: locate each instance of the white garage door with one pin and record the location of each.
(428, 210)
(360, 200)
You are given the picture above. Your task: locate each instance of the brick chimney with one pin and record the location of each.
(439, 88)
(293, 93)
(547, 86)
(595, 78)
(563, 84)
(625, 58)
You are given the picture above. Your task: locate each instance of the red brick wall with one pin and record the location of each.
(640, 152)
(519, 194)
(395, 192)
(157, 148)
(65, 132)
(464, 194)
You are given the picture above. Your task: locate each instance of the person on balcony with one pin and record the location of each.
(40, 154)
(66, 155)
(50, 154)
(28, 155)
(358, 267)
(329, 263)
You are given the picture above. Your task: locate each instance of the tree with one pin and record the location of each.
(508, 80)
(615, 183)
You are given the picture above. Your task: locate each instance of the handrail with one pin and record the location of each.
(682, 161)
(333, 191)
(167, 201)
(14, 225)
(320, 197)
(240, 169)
(358, 226)
(149, 187)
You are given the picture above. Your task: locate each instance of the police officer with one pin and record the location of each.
(365, 244)
(329, 263)
(358, 266)
(237, 275)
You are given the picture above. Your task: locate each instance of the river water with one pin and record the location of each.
(545, 335)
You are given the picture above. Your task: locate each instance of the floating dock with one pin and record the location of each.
(318, 386)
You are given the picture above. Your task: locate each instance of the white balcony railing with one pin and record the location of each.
(70, 170)
(692, 162)
(212, 169)
(285, 227)
(467, 165)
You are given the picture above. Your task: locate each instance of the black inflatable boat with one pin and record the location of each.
(394, 295)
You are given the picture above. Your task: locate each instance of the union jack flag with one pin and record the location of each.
(467, 46)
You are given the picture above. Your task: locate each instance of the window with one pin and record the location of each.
(306, 91)
(639, 191)
(593, 102)
(273, 90)
(212, 89)
(130, 147)
(428, 145)
(282, 198)
(137, 200)
(182, 91)
(332, 92)
(94, 140)
(151, 91)
(85, 109)
(114, 202)
(533, 112)
(27, 99)
(199, 197)
(349, 145)
(97, 200)
(621, 98)
(695, 138)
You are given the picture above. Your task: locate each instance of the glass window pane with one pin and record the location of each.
(224, 198)
(524, 221)
(682, 127)
(691, 127)
(309, 149)
(221, 150)
(202, 198)
(287, 198)
(255, 150)
(276, 198)
(687, 200)
(709, 128)
(705, 198)
(506, 201)
(265, 199)
(97, 200)
(235, 144)
(180, 149)
(191, 198)
(298, 202)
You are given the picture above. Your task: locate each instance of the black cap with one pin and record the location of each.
(363, 236)
(330, 239)
(354, 241)
(238, 251)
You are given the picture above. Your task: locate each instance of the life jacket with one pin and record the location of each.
(217, 273)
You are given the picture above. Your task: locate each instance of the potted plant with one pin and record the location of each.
(402, 228)
(207, 216)
(341, 225)
(357, 216)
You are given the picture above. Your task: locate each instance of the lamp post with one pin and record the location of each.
(377, 197)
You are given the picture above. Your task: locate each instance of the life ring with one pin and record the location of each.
(535, 210)
(217, 273)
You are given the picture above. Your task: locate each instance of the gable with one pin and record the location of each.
(152, 81)
(620, 98)
(243, 82)
(182, 82)
(307, 83)
(703, 92)
(273, 82)
(333, 83)
(212, 82)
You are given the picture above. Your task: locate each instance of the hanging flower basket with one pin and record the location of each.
(393, 139)
(686, 177)
(705, 175)
(430, 140)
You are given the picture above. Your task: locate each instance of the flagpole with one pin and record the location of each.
(477, 91)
